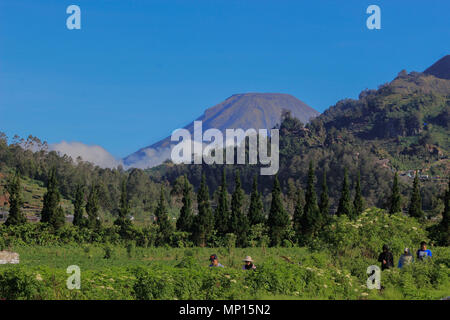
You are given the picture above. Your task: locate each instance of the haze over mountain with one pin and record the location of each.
(245, 111)
(440, 69)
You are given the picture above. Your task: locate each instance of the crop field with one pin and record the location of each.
(116, 272)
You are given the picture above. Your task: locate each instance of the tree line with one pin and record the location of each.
(229, 219)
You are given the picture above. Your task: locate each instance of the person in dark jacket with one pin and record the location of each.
(386, 258)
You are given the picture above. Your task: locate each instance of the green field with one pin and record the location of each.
(334, 265)
(176, 273)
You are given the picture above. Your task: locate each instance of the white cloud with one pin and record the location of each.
(90, 153)
(151, 158)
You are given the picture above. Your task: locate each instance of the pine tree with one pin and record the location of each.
(16, 215)
(395, 203)
(444, 226)
(78, 219)
(278, 220)
(51, 198)
(291, 196)
(415, 207)
(298, 216)
(324, 203)
(358, 202)
(58, 219)
(123, 220)
(239, 220)
(186, 220)
(92, 208)
(124, 209)
(222, 215)
(162, 219)
(256, 209)
(204, 221)
(52, 212)
(345, 204)
(312, 218)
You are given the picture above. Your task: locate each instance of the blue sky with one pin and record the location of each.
(139, 69)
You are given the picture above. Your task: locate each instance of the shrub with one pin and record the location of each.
(108, 252)
(130, 249)
(366, 235)
(18, 284)
(419, 280)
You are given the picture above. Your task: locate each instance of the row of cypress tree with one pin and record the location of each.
(310, 214)
(52, 212)
(225, 219)
(309, 217)
(415, 206)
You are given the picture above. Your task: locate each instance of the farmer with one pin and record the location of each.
(386, 258)
(406, 258)
(215, 261)
(423, 252)
(248, 264)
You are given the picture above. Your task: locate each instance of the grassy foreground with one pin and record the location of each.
(333, 267)
(177, 273)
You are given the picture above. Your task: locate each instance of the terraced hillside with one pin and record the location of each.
(33, 195)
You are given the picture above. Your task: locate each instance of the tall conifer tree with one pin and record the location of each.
(444, 225)
(415, 206)
(278, 220)
(162, 220)
(298, 216)
(239, 220)
(16, 215)
(78, 204)
(186, 220)
(123, 220)
(52, 211)
(358, 202)
(93, 208)
(222, 215)
(256, 209)
(124, 209)
(324, 203)
(58, 219)
(312, 217)
(204, 221)
(345, 204)
(395, 203)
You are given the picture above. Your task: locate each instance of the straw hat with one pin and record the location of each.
(248, 258)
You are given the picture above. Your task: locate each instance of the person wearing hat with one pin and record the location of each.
(248, 264)
(386, 258)
(215, 261)
(406, 258)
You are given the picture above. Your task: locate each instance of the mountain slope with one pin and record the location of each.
(249, 110)
(406, 121)
(441, 69)
(402, 126)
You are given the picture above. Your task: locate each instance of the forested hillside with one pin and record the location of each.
(35, 166)
(350, 151)
(402, 126)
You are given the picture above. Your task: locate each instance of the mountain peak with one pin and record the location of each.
(440, 69)
(243, 110)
